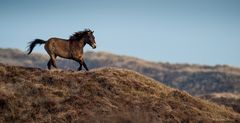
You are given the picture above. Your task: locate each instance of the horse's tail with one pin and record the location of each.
(32, 44)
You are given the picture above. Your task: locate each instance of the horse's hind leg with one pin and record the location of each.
(49, 64)
(80, 65)
(53, 61)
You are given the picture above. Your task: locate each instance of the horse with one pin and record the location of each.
(71, 48)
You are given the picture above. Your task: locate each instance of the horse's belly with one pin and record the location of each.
(63, 54)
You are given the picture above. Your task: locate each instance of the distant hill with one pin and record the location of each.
(195, 79)
(228, 99)
(109, 95)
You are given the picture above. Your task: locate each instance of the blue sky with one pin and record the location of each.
(175, 31)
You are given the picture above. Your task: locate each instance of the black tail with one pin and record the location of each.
(32, 44)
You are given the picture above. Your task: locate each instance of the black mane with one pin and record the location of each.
(77, 36)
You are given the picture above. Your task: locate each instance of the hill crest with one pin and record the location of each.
(195, 79)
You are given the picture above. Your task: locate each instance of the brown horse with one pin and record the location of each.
(69, 49)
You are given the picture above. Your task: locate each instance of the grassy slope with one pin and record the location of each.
(106, 94)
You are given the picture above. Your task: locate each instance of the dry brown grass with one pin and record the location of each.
(99, 96)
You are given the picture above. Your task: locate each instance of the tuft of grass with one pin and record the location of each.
(2, 70)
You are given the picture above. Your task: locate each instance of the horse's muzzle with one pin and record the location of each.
(94, 46)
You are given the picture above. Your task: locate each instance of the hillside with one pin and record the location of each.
(101, 95)
(195, 79)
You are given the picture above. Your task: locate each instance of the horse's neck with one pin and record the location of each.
(75, 48)
(82, 43)
(79, 44)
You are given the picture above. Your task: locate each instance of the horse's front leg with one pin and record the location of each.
(80, 66)
(85, 66)
(81, 62)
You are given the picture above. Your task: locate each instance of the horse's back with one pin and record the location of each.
(57, 46)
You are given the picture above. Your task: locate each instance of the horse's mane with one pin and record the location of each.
(77, 36)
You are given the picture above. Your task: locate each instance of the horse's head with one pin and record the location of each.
(89, 38)
(86, 36)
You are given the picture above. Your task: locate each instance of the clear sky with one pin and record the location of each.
(175, 31)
